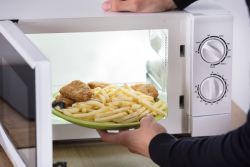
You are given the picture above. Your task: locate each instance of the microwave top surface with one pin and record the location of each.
(61, 9)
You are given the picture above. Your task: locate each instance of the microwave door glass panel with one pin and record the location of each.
(115, 56)
(17, 101)
(118, 57)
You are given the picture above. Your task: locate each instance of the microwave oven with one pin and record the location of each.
(187, 55)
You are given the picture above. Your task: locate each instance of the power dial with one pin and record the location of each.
(212, 89)
(213, 50)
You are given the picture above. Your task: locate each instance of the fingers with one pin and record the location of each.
(145, 121)
(138, 5)
(114, 138)
(149, 122)
(107, 137)
(118, 5)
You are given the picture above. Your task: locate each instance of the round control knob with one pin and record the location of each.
(212, 89)
(213, 50)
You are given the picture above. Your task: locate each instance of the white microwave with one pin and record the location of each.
(187, 55)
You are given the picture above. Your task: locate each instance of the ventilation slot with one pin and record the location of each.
(181, 102)
(182, 50)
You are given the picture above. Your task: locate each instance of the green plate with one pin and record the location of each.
(98, 125)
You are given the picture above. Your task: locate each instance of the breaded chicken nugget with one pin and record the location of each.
(94, 85)
(76, 91)
(147, 89)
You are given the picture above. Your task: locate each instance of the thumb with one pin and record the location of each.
(106, 6)
(117, 5)
(108, 137)
(145, 121)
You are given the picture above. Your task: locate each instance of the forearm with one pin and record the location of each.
(230, 150)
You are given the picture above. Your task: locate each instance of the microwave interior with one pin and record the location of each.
(117, 57)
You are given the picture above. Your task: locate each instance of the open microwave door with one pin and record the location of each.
(25, 117)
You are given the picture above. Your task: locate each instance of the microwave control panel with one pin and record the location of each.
(212, 65)
(213, 50)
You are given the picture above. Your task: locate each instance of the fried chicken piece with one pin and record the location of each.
(147, 89)
(76, 91)
(62, 102)
(94, 85)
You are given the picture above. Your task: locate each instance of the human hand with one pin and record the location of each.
(138, 140)
(144, 6)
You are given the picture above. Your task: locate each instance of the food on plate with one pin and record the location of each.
(62, 102)
(94, 85)
(77, 91)
(111, 103)
(147, 89)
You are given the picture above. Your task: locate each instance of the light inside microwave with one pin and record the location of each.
(117, 57)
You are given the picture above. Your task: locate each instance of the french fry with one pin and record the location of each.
(81, 105)
(101, 94)
(106, 96)
(90, 114)
(133, 119)
(108, 113)
(121, 103)
(95, 103)
(102, 98)
(130, 116)
(136, 106)
(109, 118)
(147, 112)
(71, 110)
(66, 112)
(151, 107)
(149, 98)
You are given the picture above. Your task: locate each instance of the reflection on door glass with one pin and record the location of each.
(117, 57)
(17, 102)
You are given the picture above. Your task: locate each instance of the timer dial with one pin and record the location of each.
(212, 89)
(213, 50)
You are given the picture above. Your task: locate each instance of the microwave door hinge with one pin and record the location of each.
(12, 20)
(60, 164)
(15, 21)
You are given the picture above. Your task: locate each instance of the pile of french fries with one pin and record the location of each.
(116, 104)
